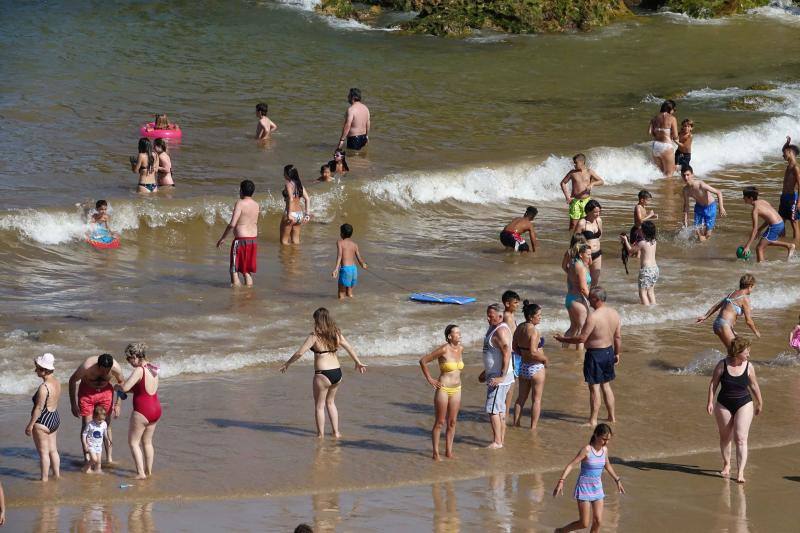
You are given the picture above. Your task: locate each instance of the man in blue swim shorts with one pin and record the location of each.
(787, 208)
(773, 225)
(602, 337)
(346, 257)
(705, 207)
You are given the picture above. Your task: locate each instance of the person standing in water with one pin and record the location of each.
(498, 373)
(591, 227)
(164, 163)
(293, 216)
(346, 269)
(581, 179)
(772, 223)
(730, 308)
(648, 269)
(45, 420)
(794, 338)
(528, 343)
(579, 281)
(589, 487)
(447, 389)
(791, 186)
(683, 154)
(145, 164)
(602, 336)
(640, 215)
(664, 130)
(736, 379)
(265, 126)
(324, 342)
(705, 207)
(244, 224)
(511, 236)
(355, 130)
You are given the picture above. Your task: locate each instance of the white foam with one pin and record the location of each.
(781, 10)
(683, 18)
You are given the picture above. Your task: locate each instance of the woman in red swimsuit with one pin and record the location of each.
(143, 383)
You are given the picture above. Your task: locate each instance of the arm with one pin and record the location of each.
(753, 233)
(595, 179)
(618, 341)
(348, 121)
(132, 380)
(502, 339)
(138, 164)
(572, 464)
(309, 342)
(335, 272)
(564, 182)
(308, 201)
(614, 476)
(360, 259)
(580, 271)
(73, 390)
(537, 353)
(712, 387)
(369, 123)
(748, 318)
(361, 367)
(237, 212)
(710, 311)
(755, 389)
(718, 193)
(632, 249)
(673, 128)
(685, 206)
(272, 126)
(587, 330)
(565, 262)
(37, 410)
(423, 363)
(682, 146)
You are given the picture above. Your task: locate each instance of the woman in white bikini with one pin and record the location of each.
(293, 216)
(664, 130)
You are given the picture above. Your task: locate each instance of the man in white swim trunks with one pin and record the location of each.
(498, 371)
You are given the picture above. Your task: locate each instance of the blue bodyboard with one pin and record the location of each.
(439, 298)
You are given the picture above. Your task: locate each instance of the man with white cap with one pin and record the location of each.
(94, 376)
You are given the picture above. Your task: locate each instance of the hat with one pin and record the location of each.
(46, 361)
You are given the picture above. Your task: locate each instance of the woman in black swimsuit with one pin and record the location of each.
(591, 227)
(45, 419)
(736, 379)
(325, 342)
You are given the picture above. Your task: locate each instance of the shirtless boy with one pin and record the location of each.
(772, 223)
(244, 223)
(705, 207)
(346, 256)
(356, 123)
(640, 215)
(583, 179)
(645, 248)
(683, 155)
(265, 126)
(511, 236)
(95, 388)
(791, 185)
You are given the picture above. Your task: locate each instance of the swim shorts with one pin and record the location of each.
(576, 207)
(512, 239)
(496, 398)
(705, 215)
(598, 365)
(348, 275)
(244, 251)
(89, 396)
(648, 276)
(788, 206)
(357, 142)
(774, 231)
(682, 160)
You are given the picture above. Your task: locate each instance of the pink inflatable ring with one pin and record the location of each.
(148, 130)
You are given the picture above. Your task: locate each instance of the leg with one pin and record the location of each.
(42, 441)
(762, 245)
(608, 398)
(349, 292)
(510, 396)
(584, 512)
(285, 230)
(333, 413)
(726, 335)
(453, 405)
(651, 295)
(594, 403)
(725, 425)
(108, 440)
(55, 459)
(497, 435)
(320, 385)
(741, 428)
(248, 279)
(577, 318)
(643, 296)
(136, 429)
(342, 291)
(295, 233)
(595, 269)
(235, 279)
(536, 404)
(147, 446)
(597, 515)
(794, 230)
(522, 397)
(440, 412)
(789, 246)
(84, 421)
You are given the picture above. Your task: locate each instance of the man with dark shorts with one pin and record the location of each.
(791, 185)
(95, 388)
(356, 123)
(511, 236)
(602, 336)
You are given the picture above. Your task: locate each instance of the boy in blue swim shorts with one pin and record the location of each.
(705, 206)
(773, 226)
(346, 256)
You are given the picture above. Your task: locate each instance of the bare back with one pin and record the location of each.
(245, 218)
(603, 324)
(358, 117)
(348, 250)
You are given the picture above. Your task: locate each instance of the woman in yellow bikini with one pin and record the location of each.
(447, 398)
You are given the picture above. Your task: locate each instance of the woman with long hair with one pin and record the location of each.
(579, 279)
(145, 164)
(293, 216)
(591, 227)
(664, 132)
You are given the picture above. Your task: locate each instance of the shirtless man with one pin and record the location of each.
(95, 388)
(791, 185)
(265, 126)
(772, 222)
(511, 236)
(356, 123)
(705, 207)
(244, 223)
(602, 336)
(583, 179)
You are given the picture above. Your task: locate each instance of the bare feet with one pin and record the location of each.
(140, 476)
(450, 455)
(740, 479)
(791, 251)
(337, 435)
(494, 446)
(436, 457)
(726, 471)
(611, 420)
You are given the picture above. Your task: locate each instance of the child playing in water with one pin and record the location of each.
(648, 269)
(683, 155)
(324, 174)
(99, 220)
(164, 163)
(589, 487)
(93, 436)
(773, 224)
(161, 122)
(265, 126)
(510, 301)
(338, 164)
(346, 256)
(794, 338)
(640, 214)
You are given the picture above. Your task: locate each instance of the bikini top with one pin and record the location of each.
(320, 352)
(737, 308)
(451, 366)
(591, 235)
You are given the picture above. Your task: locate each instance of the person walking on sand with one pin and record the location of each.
(602, 336)
(705, 207)
(510, 301)
(498, 373)
(581, 179)
(45, 420)
(791, 186)
(664, 131)
(773, 225)
(648, 268)
(736, 379)
(95, 375)
(355, 129)
(730, 308)
(528, 343)
(244, 224)
(511, 236)
(143, 383)
(447, 389)
(589, 487)
(324, 342)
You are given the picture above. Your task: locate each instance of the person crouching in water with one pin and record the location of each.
(773, 224)
(511, 236)
(648, 269)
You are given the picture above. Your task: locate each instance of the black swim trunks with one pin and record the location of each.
(357, 142)
(788, 206)
(682, 160)
(510, 240)
(598, 365)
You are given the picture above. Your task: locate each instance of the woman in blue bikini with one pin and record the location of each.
(578, 281)
(730, 308)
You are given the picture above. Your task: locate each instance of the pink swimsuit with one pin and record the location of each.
(144, 403)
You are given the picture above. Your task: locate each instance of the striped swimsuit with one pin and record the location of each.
(589, 487)
(49, 419)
